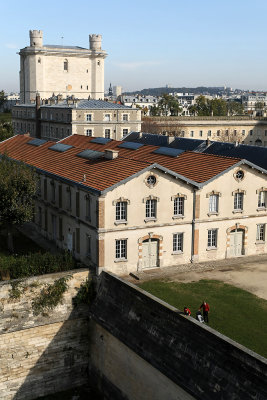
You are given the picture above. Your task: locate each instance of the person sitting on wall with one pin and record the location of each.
(206, 309)
(187, 311)
(199, 316)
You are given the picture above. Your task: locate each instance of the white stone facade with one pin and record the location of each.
(65, 70)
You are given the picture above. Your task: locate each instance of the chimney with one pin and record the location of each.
(170, 139)
(140, 134)
(111, 154)
(207, 142)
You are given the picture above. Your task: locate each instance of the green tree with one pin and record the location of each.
(2, 98)
(17, 191)
(235, 108)
(259, 105)
(154, 111)
(169, 104)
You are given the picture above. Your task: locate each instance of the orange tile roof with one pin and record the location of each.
(102, 173)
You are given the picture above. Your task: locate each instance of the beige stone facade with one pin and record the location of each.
(90, 226)
(65, 70)
(87, 118)
(247, 130)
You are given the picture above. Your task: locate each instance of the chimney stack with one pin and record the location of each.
(111, 154)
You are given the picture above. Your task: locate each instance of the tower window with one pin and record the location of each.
(66, 65)
(98, 62)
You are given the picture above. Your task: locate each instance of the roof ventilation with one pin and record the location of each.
(60, 147)
(100, 140)
(90, 154)
(168, 151)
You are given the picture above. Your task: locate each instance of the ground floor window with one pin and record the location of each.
(178, 242)
(107, 133)
(121, 249)
(261, 232)
(89, 132)
(212, 238)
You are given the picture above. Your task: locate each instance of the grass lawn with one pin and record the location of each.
(234, 312)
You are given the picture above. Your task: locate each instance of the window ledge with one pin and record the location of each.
(238, 211)
(261, 209)
(213, 213)
(152, 219)
(121, 260)
(121, 222)
(211, 248)
(260, 242)
(179, 216)
(175, 253)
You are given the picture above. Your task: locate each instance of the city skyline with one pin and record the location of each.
(149, 45)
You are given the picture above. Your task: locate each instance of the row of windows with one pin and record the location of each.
(178, 241)
(107, 133)
(220, 132)
(107, 117)
(178, 205)
(66, 65)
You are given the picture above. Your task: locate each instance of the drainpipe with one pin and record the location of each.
(193, 227)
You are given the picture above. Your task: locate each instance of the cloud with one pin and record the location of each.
(136, 64)
(11, 46)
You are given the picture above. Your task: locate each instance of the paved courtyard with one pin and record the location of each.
(249, 273)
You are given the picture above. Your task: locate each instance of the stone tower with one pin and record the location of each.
(66, 70)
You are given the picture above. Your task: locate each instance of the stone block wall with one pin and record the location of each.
(42, 354)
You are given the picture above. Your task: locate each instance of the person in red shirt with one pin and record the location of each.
(206, 308)
(187, 311)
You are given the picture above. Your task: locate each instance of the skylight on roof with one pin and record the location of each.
(131, 145)
(37, 142)
(168, 151)
(90, 154)
(100, 140)
(60, 147)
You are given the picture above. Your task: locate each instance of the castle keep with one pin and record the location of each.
(68, 70)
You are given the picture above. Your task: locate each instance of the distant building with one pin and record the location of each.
(117, 90)
(11, 100)
(57, 119)
(66, 70)
(251, 101)
(143, 102)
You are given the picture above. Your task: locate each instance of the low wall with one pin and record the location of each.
(140, 344)
(42, 354)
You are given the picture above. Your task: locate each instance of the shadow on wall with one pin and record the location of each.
(48, 355)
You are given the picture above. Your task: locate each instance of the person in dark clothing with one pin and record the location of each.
(187, 311)
(206, 308)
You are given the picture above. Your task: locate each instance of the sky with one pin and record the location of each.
(150, 43)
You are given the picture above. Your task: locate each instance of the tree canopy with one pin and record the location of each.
(215, 107)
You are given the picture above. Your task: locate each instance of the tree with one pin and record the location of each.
(3, 98)
(259, 105)
(235, 108)
(168, 104)
(17, 191)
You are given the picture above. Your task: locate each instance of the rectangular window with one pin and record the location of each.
(68, 198)
(88, 208)
(60, 196)
(251, 132)
(88, 245)
(121, 211)
(209, 133)
(89, 117)
(65, 65)
(45, 220)
(124, 132)
(125, 117)
(178, 206)
(53, 192)
(200, 133)
(261, 232)
(77, 204)
(212, 238)
(89, 132)
(191, 133)
(218, 133)
(213, 203)
(227, 132)
(121, 249)
(262, 199)
(243, 132)
(107, 133)
(40, 216)
(107, 117)
(178, 242)
(151, 207)
(238, 201)
(45, 189)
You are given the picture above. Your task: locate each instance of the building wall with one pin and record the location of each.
(42, 354)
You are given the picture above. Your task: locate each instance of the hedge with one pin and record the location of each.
(35, 264)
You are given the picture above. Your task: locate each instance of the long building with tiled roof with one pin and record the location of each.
(124, 206)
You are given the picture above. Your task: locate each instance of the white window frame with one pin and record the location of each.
(125, 117)
(178, 206)
(151, 209)
(262, 199)
(121, 211)
(212, 238)
(124, 133)
(107, 133)
(260, 236)
(89, 117)
(121, 249)
(107, 117)
(89, 132)
(214, 203)
(238, 201)
(178, 242)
